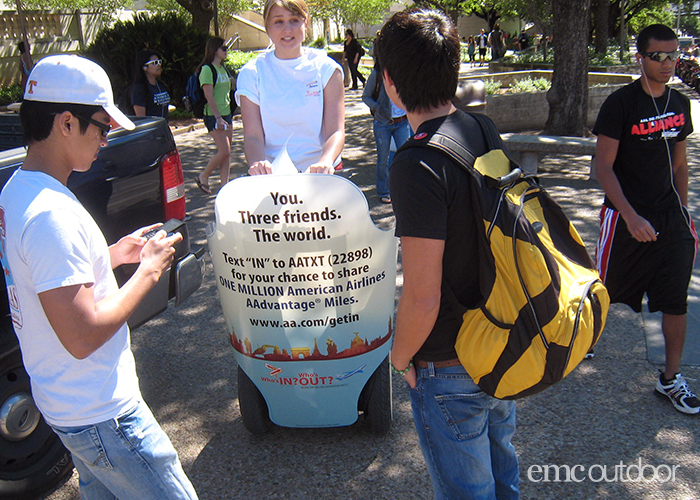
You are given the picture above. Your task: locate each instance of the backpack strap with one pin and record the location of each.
(449, 140)
(214, 74)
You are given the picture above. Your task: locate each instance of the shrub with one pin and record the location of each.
(10, 93)
(179, 114)
(464, 52)
(491, 86)
(171, 35)
(530, 85)
(236, 59)
(319, 43)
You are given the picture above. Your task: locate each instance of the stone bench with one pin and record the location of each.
(525, 149)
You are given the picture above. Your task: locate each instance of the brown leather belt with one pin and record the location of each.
(398, 119)
(437, 364)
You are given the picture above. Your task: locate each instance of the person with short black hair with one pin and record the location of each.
(67, 309)
(482, 42)
(465, 434)
(647, 241)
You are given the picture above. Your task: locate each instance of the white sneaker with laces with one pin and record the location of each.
(679, 393)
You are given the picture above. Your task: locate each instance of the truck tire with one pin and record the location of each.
(254, 412)
(375, 400)
(32, 458)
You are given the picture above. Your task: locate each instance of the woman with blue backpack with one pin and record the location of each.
(216, 85)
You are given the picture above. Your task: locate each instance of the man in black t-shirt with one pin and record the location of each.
(465, 434)
(647, 241)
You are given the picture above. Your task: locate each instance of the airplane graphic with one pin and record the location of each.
(345, 375)
(273, 370)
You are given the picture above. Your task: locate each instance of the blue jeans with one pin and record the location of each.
(465, 436)
(382, 135)
(126, 457)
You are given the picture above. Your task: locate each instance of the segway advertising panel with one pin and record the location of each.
(307, 283)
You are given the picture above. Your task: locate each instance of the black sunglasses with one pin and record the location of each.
(104, 127)
(661, 56)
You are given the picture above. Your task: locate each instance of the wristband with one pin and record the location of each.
(401, 372)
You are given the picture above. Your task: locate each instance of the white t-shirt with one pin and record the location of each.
(50, 241)
(290, 95)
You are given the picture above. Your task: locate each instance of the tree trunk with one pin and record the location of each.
(202, 12)
(601, 28)
(568, 97)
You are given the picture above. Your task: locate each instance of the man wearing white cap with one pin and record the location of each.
(67, 309)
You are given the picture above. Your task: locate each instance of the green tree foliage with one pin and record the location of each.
(350, 12)
(105, 7)
(638, 14)
(226, 9)
(645, 17)
(171, 35)
(453, 8)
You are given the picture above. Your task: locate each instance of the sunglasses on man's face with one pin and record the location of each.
(156, 62)
(661, 56)
(104, 127)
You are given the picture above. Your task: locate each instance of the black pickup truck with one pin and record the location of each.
(135, 181)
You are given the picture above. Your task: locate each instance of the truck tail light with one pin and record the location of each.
(173, 186)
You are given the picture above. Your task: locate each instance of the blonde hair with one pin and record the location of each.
(297, 7)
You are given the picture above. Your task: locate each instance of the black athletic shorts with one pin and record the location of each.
(660, 269)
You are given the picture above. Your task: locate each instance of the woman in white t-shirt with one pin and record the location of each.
(293, 96)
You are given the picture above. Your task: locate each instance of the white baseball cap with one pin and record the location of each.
(75, 80)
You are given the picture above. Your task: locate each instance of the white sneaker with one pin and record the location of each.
(680, 394)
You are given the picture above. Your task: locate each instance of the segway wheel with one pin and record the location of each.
(254, 412)
(375, 400)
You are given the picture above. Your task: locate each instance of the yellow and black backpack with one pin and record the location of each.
(544, 304)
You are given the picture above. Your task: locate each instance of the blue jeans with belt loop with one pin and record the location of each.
(465, 436)
(127, 457)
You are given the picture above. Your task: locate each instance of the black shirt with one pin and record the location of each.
(642, 163)
(154, 98)
(432, 199)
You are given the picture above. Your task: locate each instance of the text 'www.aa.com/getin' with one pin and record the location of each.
(596, 473)
(306, 323)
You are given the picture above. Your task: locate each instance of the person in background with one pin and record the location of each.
(496, 42)
(25, 64)
(352, 51)
(389, 122)
(482, 44)
(149, 97)
(471, 50)
(68, 311)
(217, 110)
(291, 95)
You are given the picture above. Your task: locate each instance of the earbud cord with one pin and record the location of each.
(668, 148)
